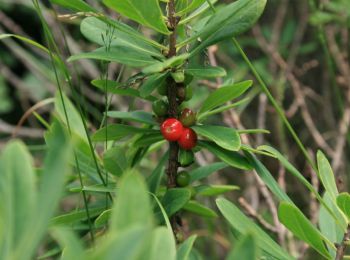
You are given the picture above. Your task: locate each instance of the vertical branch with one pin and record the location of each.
(342, 246)
(173, 106)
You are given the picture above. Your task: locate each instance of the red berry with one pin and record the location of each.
(171, 129)
(188, 139)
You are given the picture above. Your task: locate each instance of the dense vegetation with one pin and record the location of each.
(174, 129)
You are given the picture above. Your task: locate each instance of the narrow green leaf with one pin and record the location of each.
(228, 22)
(192, 6)
(227, 138)
(162, 245)
(75, 216)
(69, 242)
(203, 8)
(56, 167)
(199, 209)
(266, 176)
(148, 139)
(145, 12)
(245, 249)
(128, 243)
(326, 175)
(232, 158)
(206, 72)
(152, 83)
(154, 179)
(17, 185)
(214, 190)
(96, 30)
(161, 66)
(328, 225)
(103, 218)
(132, 206)
(204, 171)
(184, 249)
(120, 54)
(243, 225)
(117, 88)
(224, 94)
(293, 219)
(343, 202)
(75, 5)
(119, 131)
(62, 103)
(115, 161)
(137, 116)
(174, 200)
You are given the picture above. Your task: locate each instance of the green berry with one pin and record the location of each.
(181, 93)
(186, 157)
(160, 107)
(162, 89)
(183, 179)
(187, 117)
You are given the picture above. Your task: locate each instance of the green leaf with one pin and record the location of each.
(17, 185)
(132, 206)
(117, 88)
(327, 224)
(128, 243)
(103, 218)
(26, 40)
(75, 5)
(162, 245)
(228, 22)
(56, 167)
(204, 171)
(96, 30)
(203, 8)
(69, 242)
(75, 216)
(214, 190)
(198, 209)
(115, 161)
(243, 225)
(343, 202)
(137, 116)
(245, 249)
(154, 179)
(145, 12)
(63, 105)
(224, 94)
(232, 158)
(120, 54)
(119, 131)
(266, 176)
(293, 219)
(326, 175)
(148, 139)
(161, 66)
(227, 138)
(175, 199)
(152, 83)
(184, 249)
(192, 6)
(206, 72)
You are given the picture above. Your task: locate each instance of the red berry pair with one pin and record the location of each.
(173, 130)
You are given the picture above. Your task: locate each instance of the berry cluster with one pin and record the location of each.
(178, 129)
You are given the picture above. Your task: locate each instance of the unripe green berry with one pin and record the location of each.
(187, 117)
(186, 157)
(162, 90)
(160, 107)
(183, 179)
(181, 93)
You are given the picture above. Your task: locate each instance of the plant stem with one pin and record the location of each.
(275, 105)
(342, 246)
(173, 105)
